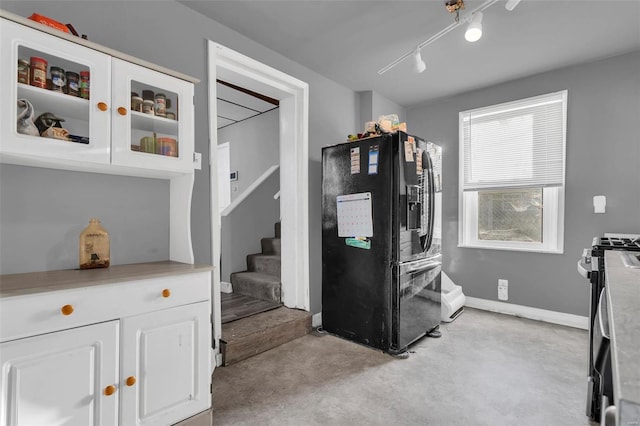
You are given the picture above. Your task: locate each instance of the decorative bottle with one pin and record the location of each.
(94, 246)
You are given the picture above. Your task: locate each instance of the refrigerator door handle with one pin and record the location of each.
(421, 265)
(431, 190)
(432, 201)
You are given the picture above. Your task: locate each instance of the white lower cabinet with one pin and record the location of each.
(164, 368)
(122, 352)
(61, 378)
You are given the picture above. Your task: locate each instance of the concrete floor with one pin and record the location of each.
(486, 369)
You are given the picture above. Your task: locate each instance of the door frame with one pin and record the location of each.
(224, 149)
(293, 94)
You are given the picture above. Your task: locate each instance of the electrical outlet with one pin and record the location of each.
(503, 290)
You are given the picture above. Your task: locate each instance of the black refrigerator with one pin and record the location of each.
(381, 240)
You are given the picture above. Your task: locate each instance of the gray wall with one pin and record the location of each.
(254, 147)
(603, 111)
(43, 211)
(603, 153)
(383, 106)
(242, 230)
(133, 27)
(373, 105)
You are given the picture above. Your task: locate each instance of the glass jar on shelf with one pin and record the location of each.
(94, 246)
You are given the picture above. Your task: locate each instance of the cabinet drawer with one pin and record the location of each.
(33, 314)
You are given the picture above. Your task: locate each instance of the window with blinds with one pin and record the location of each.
(512, 167)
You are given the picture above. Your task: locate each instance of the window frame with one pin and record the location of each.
(553, 200)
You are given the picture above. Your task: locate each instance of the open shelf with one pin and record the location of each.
(61, 104)
(153, 123)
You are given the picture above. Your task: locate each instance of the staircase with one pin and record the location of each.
(261, 280)
(275, 325)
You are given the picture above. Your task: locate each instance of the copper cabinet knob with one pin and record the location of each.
(131, 380)
(109, 390)
(166, 292)
(122, 111)
(102, 106)
(66, 310)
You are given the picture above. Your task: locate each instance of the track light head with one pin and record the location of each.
(511, 4)
(474, 30)
(418, 64)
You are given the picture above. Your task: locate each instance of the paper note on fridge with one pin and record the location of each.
(373, 159)
(355, 217)
(408, 151)
(355, 160)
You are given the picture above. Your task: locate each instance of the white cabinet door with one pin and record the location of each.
(82, 118)
(60, 378)
(162, 137)
(165, 365)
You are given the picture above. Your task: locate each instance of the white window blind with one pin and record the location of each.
(515, 144)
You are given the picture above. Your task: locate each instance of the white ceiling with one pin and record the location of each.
(349, 41)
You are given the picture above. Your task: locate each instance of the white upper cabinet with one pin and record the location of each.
(82, 118)
(97, 116)
(162, 139)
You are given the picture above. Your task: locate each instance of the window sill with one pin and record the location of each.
(504, 248)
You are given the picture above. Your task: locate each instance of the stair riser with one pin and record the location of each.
(249, 346)
(271, 246)
(264, 264)
(259, 286)
(268, 292)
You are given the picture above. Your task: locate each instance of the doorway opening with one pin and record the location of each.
(292, 95)
(248, 174)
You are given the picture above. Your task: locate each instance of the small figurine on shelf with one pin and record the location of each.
(49, 126)
(25, 124)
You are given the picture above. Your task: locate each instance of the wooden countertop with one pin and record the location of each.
(40, 282)
(623, 303)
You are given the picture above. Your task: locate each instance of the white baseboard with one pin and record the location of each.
(226, 287)
(528, 312)
(217, 360)
(316, 320)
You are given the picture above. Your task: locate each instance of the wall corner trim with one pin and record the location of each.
(316, 320)
(553, 317)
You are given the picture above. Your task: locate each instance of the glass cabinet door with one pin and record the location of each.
(152, 119)
(55, 97)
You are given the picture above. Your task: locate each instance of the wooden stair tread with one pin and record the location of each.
(261, 322)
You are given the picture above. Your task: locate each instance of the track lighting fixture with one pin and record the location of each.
(474, 30)
(418, 65)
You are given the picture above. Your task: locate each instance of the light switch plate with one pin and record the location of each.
(599, 204)
(197, 161)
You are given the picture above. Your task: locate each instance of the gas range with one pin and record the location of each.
(592, 267)
(616, 243)
(593, 258)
